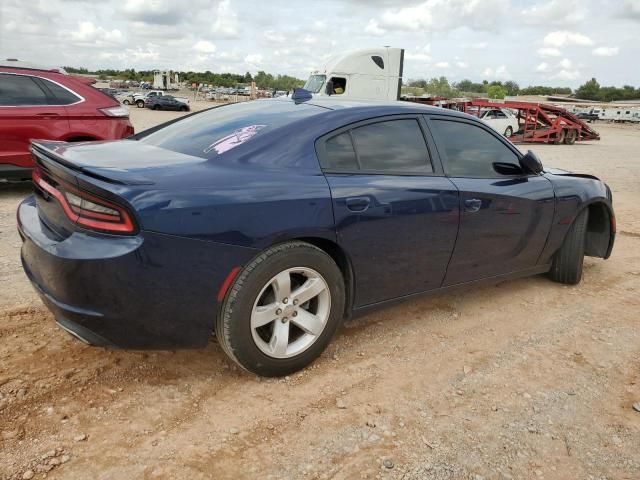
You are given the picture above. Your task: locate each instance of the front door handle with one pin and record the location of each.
(472, 205)
(358, 204)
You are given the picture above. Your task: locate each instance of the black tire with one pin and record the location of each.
(233, 325)
(571, 136)
(184, 109)
(127, 102)
(508, 132)
(568, 260)
(156, 107)
(560, 138)
(140, 103)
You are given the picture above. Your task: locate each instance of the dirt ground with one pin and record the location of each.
(524, 379)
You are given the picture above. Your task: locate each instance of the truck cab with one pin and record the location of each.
(366, 74)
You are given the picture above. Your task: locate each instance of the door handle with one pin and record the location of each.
(472, 205)
(358, 204)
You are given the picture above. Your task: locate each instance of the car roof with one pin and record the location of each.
(374, 107)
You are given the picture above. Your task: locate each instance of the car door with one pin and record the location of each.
(506, 214)
(26, 113)
(396, 214)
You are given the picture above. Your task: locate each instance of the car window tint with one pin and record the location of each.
(216, 131)
(500, 114)
(340, 154)
(20, 90)
(61, 96)
(394, 146)
(470, 150)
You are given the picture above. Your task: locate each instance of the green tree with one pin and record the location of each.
(589, 91)
(496, 91)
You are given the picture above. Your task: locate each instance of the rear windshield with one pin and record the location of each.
(221, 129)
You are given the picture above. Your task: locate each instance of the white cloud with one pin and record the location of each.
(499, 73)
(567, 75)
(606, 51)
(549, 52)
(478, 46)
(274, 36)
(543, 67)
(419, 54)
(374, 29)
(462, 65)
(444, 15)
(564, 37)
(253, 59)
(319, 26)
(226, 24)
(565, 63)
(204, 46)
(442, 65)
(631, 9)
(87, 32)
(555, 12)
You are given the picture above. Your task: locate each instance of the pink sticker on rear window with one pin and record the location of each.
(236, 138)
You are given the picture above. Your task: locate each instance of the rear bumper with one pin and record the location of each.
(149, 291)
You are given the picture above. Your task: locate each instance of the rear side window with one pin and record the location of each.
(393, 147)
(20, 90)
(216, 131)
(59, 95)
(340, 153)
(470, 150)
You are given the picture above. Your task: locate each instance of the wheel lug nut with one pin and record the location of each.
(279, 311)
(285, 320)
(295, 302)
(286, 300)
(295, 314)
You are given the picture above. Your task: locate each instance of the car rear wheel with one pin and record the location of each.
(567, 262)
(508, 132)
(560, 137)
(127, 102)
(140, 103)
(282, 310)
(183, 109)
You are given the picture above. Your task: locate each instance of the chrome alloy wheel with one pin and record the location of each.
(290, 312)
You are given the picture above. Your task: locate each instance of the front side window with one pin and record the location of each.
(470, 150)
(339, 85)
(394, 147)
(20, 90)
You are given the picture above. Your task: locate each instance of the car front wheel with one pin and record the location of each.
(282, 310)
(140, 103)
(568, 260)
(508, 132)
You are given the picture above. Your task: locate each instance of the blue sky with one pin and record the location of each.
(547, 42)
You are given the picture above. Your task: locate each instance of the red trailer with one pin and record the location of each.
(539, 122)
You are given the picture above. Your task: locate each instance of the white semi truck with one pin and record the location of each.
(366, 74)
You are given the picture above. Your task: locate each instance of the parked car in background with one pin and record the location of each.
(140, 98)
(126, 98)
(501, 120)
(590, 116)
(37, 103)
(268, 222)
(165, 102)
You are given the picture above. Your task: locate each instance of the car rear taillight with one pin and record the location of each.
(118, 111)
(87, 210)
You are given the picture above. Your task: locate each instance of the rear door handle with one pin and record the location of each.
(358, 204)
(472, 205)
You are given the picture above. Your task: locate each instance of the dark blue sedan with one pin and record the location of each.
(269, 222)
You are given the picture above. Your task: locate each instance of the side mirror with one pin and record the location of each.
(329, 88)
(531, 163)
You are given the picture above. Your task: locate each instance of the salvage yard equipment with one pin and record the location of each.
(539, 122)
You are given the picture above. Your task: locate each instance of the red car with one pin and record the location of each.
(36, 103)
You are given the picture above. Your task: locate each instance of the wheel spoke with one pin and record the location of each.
(308, 322)
(263, 315)
(282, 285)
(279, 339)
(308, 290)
